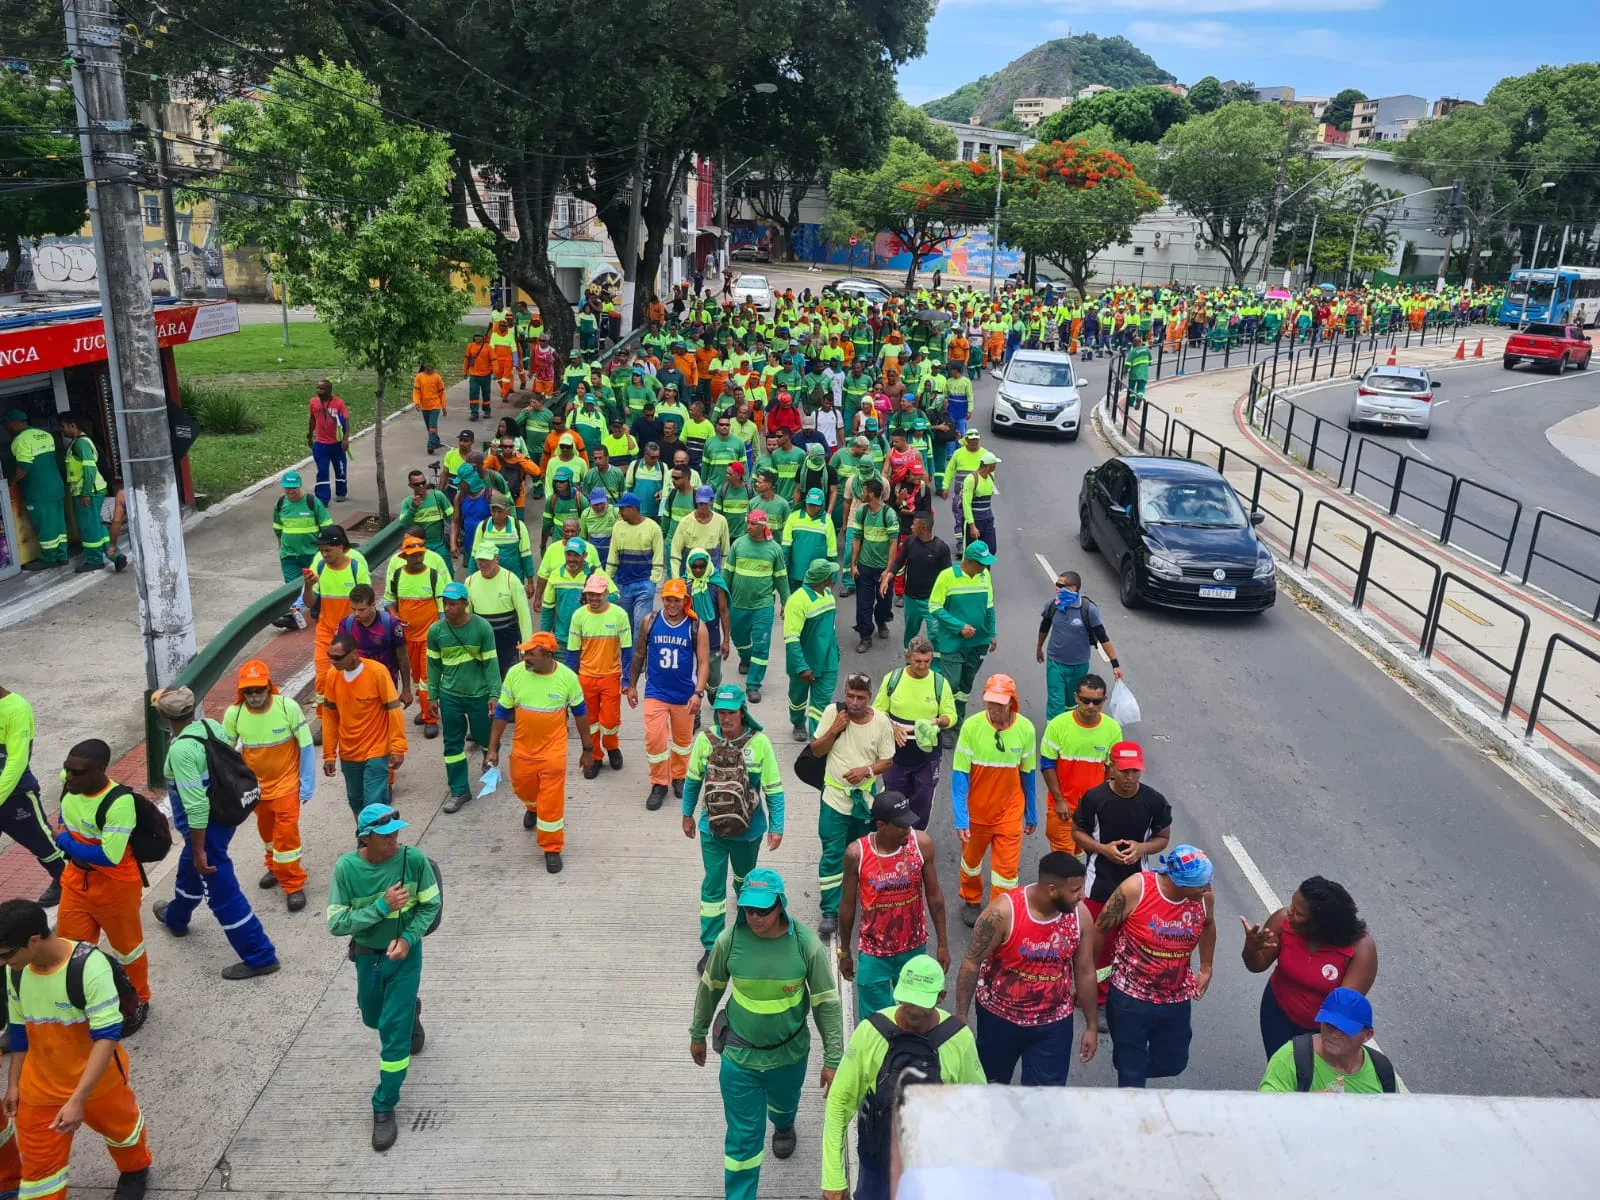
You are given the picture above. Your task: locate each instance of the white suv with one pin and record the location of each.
(1038, 391)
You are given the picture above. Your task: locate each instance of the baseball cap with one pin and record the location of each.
(921, 979)
(379, 818)
(973, 435)
(704, 495)
(763, 888)
(499, 500)
(543, 640)
(893, 808)
(485, 552)
(628, 500)
(466, 435)
(1186, 866)
(333, 535)
(575, 546)
(1000, 689)
(598, 496)
(815, 496)
(413, 545)
(729, 698)
(675, 588)
(454, 591)
(1347, 1010)
(14, 414)
(989, 458)
(254, 674)
(1127, 756)
(978, 552)
(291, 479)
(173, 702)
(597, 583)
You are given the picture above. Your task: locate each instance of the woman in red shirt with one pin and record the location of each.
(1319, 943)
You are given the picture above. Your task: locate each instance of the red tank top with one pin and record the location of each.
(890, 889)
(1028, 979)
(1158, 938)
(1304, 977)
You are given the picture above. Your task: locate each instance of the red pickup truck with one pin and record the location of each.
(1550, 346)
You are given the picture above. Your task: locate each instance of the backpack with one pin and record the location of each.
(909, 1058)
(912, 755)
(151, 838)
(127, 997)
(1304, 1067)
(726, 791)
(438, 879)
(233, 788)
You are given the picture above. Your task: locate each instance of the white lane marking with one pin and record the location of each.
(1269, 898)
(1536, 382)
(1050, 572)
(1421, 453)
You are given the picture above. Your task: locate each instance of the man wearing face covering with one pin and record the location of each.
(1069, 629)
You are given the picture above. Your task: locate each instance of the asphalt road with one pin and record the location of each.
(1489, 426)
(1274, 732)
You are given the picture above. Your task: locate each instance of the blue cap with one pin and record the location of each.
(379, 818)
(1347, 1010)
(704, 495)
(1186, 866)
(291, 479)
(598, 496)
(815, 496)
(763, 888)
(628, 500)
(455, 591)
(576, 546)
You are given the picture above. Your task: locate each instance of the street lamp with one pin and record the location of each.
(1350, 261)
(764, 88)
(1520, 197)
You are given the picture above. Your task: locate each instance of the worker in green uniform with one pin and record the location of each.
(297, 518)
(43, 494)
(757, 571)
(384, 897)
(961, 618)
(464, 679)
(779, 972)
(735, 725)
(768, 501)
(426, 507)
(87, 487)
(809, 537)
(732, 500)
(505, 537)
(811, 648)
(1137, 364)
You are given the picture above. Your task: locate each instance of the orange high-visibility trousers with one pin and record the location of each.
(995, 348)
(417, 656)
(1004, 844)
(10, 1161)
(602, 696)
(330, 611)
(541, 784)
(1058, 832)
(668, 738)
(278, 823)
(502, 357)
(93, 903)
(111, 1111)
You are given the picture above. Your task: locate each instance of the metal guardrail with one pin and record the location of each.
(1453, 516)
(1541, 693)
(1367, 580)
(1436, 627)
(1533, 551)
(1355, 568)
(207, 667)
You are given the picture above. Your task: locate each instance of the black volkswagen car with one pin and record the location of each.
(1177, 535)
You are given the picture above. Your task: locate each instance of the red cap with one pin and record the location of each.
(1127, 756)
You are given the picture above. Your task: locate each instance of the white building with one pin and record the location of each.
(979, 140)
(1386, 119)
(1030, 110)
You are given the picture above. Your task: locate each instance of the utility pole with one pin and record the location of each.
(994, 235)
(138, 391)
(1278, 195)
(1450, 234)
(1538, 233)
(1311, 270)
(169, 210)
(630, 260)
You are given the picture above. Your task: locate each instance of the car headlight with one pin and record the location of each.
(1162, 566)
(1005, 398)
(1265, 567)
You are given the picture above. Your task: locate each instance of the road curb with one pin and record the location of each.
(1573, 800)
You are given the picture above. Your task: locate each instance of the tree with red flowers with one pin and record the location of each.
(912, 195)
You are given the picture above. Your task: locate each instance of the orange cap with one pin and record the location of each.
(255, 673)
(412, 545)
(676, 589)
(1000, 689)
(543, 640)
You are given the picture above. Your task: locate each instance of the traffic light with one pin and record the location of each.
(1455, 196)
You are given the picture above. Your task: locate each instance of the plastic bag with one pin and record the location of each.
(488, 781)
(1121, 706)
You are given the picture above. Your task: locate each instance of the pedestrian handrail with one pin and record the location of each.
(1264, 473)
(1356, 569)
(1410, 466)
(1367, 580)
(1436, 627)
(1453, 515)
(1541, 694)
(206, 668)
(1388, 484)
(1533, 551)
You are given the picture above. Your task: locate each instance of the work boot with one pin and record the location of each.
(131, 1185)
(83, 568)
(744, 668)
(799, 734)
(430, 730)
(286, 622)
(783, 1142)
(419, 1035)
(295, 901)
(883, 631)
(591, 769)
(136, 1022)
(657, 796)
(384, 1127)
(969, 913)
(51, 896)
(827, 927)
(677, 788)
(243, 970)
(529, 819)
(120, 562)
(863, 646)
(455, 803)
(267, 880)
(614, 757)
(159, 908)
(753, 695)
(419, 719)
(552, 861)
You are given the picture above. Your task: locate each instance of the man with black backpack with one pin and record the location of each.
(1337, 1058)
(734, 772)
(212, 792)
(385, 898)
(914, 1041)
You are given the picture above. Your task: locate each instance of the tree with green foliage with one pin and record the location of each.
(1055, 68)
(960, 104)
(915, 125)
(1243, 92)
(1141, 114)
(1221, 169)
(353, 211)
(41, 174)
(1009, 122)
(905, 196)
(1330, 201)
(1341, 109)
(1206, 95)
(1470, 145)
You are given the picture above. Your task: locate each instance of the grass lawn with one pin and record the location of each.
(278, 381)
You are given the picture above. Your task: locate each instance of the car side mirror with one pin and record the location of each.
(1257, 516)
(1082, 382)
(1437, 385)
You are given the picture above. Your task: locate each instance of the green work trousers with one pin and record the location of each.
(386, 993)
(752, 638)
(92, 531)
(49, 518)
(366, 782)
(1061, 686)
(717, 855)
(961, 669)
(876, 977)
(749, 1099)
(807, 700)
(837, 831)
(461, 716)
(915, 615)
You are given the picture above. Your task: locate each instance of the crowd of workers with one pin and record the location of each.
(734, 469)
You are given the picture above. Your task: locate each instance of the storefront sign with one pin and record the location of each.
(36, 349)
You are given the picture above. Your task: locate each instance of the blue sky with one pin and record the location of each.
(1430, 48)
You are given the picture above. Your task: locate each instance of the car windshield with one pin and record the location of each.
(752, 281)
(1033, 373)
(1551, 331)
(1202, 503)
(1396, 383)
(1534, 291)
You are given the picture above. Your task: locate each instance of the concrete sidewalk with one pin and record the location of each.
(1564, 755)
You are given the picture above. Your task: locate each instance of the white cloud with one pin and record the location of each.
(1191, 35)
(1286, 7)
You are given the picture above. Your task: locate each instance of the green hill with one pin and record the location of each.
(1057, 68)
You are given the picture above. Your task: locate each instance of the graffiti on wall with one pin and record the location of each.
(967, 257)
(67, 264)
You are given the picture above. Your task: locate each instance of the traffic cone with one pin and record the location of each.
(1478, 353)
(1461, 350)
(1391, 361)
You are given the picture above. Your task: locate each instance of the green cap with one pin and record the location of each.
(763, 888)
(978, 552)
(921, 979)
(729, 698)
(15, 414)
(291, 479)
(815, 496)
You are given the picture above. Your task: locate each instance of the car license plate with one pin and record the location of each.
(1390, 418)
(1035, 417)
(1218, 593)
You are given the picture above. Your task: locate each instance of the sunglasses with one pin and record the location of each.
(1091, 699)
(758, 913)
